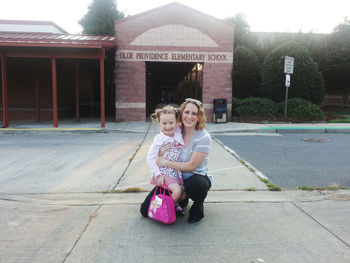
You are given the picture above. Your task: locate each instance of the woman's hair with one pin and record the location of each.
(201, 113)
(165, 110)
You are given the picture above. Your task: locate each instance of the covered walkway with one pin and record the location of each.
(40, 53)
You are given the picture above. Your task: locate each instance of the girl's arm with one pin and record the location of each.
(196, 159)
(152, 156)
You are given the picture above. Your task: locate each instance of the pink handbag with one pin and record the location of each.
(161, 207)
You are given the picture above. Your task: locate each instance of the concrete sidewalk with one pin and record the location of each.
(142, 127)
(239, 226)
(244, 222)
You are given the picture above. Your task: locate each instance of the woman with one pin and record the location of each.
(194, 166)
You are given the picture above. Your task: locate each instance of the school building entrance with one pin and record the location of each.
(170, 83)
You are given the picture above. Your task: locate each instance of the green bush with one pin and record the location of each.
(292, 103)
(260, 107)
(235, 104)
(306, 112)
(306, 81)
(301, 109)
(246, 74)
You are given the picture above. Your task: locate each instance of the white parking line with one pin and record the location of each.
(224, 169)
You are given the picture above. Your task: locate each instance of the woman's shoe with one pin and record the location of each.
(194, 219)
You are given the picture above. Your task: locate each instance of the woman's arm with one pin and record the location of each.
(196, 159)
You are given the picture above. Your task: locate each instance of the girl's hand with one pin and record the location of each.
(165, 148)
(162, 162)
(160, 179)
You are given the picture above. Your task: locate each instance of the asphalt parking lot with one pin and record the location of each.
(291, 160)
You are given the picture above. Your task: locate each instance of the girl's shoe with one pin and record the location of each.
(179, 211)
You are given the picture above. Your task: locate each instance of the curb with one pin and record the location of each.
(340, 130)
(247, 164)
(306, 129)
(51, 130)
(62, 130)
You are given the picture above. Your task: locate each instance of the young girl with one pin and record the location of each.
(168, 119)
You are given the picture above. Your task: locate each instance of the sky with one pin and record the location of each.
(318, 16)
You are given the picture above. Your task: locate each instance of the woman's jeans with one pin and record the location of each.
(196, 188)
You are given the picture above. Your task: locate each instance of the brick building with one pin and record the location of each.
(170, 53)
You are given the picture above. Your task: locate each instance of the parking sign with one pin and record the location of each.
(288, 65)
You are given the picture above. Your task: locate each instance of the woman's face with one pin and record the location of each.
(189, 116)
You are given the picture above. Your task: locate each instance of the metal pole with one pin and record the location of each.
(286, 102)
(54, 91)
(77, 103)
(102, 87)
(37, 91)
(5, 120)
(287, 86)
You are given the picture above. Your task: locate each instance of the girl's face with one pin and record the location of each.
(190, 116)
(167, 124)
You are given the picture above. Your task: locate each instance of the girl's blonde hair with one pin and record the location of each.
(165, 110)
(201, 113)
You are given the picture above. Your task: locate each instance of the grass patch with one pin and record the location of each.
(133, 156)
(250, 189)
(264, 180)
(345, 119)
(132, 190)
(333, 187)
(252, 169)
(306, 188)
(270, 185)
(243, 162)
(126, 190)
(330, 188)
(248, 166)
(337, 114)
(340, 112)
(273, 187)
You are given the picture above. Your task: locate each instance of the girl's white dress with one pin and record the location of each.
(175, 154)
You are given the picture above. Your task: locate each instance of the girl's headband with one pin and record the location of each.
(159, 110)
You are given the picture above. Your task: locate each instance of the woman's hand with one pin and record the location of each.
(160, 179)
(165, 148)
(162, 162)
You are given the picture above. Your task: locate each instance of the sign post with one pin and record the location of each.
(288, 70)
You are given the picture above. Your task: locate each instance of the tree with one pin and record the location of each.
(242, 35)
(246, 75)
(242, 28)
(306, 82)
(313, 42)
(99, 20)
(337, 60)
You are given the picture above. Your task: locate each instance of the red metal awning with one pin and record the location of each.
(55, 40)
(53, 46)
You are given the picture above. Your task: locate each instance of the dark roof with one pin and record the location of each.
(55, 40)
